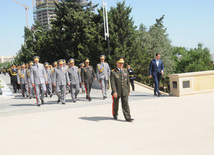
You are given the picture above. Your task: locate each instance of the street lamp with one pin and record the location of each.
(49, 16)
(34, 39)
(106, 30)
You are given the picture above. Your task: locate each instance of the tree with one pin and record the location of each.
(192, 60)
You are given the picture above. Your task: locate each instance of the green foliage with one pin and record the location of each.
(192, 60)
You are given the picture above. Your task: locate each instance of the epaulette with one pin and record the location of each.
(113, 70)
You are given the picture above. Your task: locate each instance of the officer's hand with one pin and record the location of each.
(18, 82)
(54, 84)
(68, 84)
(150, 76)
(33, 84)
(115, 95)
(129, 93)
(95, 79)
(82, 82)
(46, 82)
(162, 72)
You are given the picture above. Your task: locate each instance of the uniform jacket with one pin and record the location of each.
(103, 71)
(154, 69)
(87, 74)
(37, 74)
(120, 83)
(74, 75)
(13, 73)
(49, 76)
(28, 75)
(22, 76)
(61, 76)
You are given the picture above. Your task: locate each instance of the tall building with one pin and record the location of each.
(44, 11)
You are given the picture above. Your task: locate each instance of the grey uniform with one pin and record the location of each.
(31, 89)
(74, 77)
(61, 79)
(50, 81)
(22, 79)
(103, 74)
(38, 78)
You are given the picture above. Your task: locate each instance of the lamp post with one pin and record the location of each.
(34, 39)
(106, 30)
(49, 16)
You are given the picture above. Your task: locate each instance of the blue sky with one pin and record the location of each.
(188, 22)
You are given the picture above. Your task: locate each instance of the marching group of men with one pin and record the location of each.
(36, 80)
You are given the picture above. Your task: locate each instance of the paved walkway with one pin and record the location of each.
(162, 126)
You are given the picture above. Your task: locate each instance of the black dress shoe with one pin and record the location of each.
(63, 102)
(58, 101)
(51, 96)
(42, 101)
(115, 117)
(159, 94)
(89, 99)
(155, 94)
(129, 120)
(30, 97)
(38, 105)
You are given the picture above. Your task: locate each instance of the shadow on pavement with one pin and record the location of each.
(26, 105)
(96, 118)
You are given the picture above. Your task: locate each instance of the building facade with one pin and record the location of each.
(44, 12)
(5, 59)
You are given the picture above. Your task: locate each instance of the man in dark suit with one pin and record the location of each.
(156, 70)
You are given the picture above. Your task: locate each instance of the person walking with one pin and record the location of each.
(103, 74)
(156, 71)
(120, 86)
(131, 76)
(60, 81)
(39, 80)
(22, 80)
(88, 75)
(74, 77)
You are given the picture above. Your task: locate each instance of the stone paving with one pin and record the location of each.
(162, 126)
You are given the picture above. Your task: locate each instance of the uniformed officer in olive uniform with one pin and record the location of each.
(81, 85)
(74, 77)
(131, 76)
(13, 73)
(88, 75)
(22, 80)
(39, 80)
(120, 86)
(103, 74)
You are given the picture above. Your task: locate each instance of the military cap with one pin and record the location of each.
(55, 63)
(23, 65)
(36, 58)
(13, 65)
(120, 60)
(71, 60)
(87, 60)
(63, 60)
(60, 61)
(81, 64)
(102, 57)
(46, 64)
(30, 62)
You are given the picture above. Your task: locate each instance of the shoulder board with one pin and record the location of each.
(113, 70)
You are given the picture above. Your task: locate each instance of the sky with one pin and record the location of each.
(188, 22)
